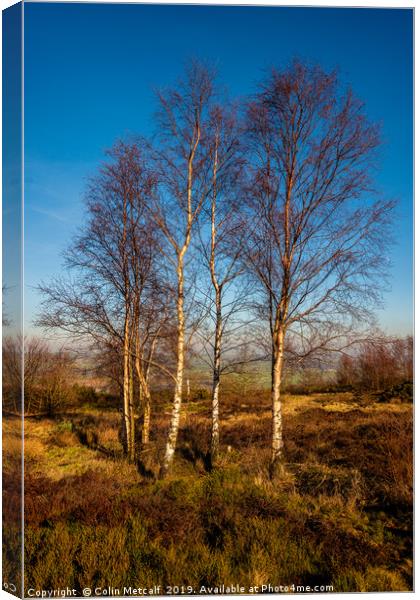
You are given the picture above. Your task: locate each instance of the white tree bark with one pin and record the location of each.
(215, 429)
(144, 393)
(215, 426)
(276, 464)
(199, 90)
(176, 408)
(126, 393)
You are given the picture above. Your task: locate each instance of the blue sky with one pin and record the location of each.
(90, 71)
(12, 178)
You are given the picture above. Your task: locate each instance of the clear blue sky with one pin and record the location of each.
(90, 74)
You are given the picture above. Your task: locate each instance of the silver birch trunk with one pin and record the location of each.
(145, 431)
(276, 464)
(132, 451)
(215, 434)
(144, 394)
(215, 426)
(176, 408)
(179, 376)
(126, 391)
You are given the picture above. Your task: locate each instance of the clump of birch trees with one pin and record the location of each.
(234, 213)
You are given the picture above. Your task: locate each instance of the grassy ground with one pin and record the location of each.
(340, 516)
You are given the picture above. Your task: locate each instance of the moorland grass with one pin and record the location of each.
(340, 516)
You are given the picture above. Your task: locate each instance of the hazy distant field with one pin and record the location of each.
(341, 516)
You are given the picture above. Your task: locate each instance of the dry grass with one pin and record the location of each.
(341, 514)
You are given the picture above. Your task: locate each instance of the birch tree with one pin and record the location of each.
(111, 273)
(181, 161)
(319, 250)
(153, 312)
(221, 243)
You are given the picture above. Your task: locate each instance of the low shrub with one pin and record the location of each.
(402, 392)
(341, 514)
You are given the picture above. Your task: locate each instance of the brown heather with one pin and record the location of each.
(341, 514)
